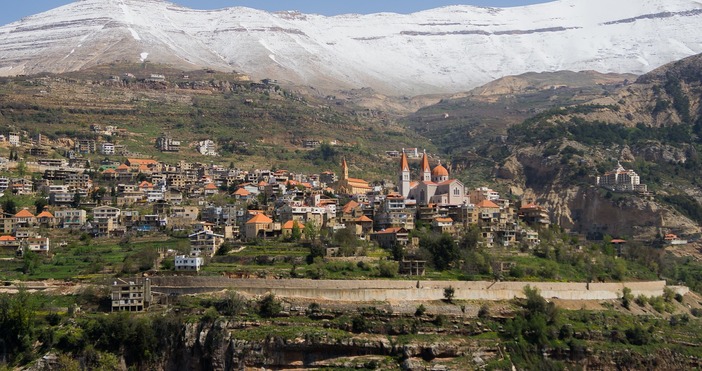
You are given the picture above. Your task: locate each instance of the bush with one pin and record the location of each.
(269, 307)
(638, 336)
(627, 297)
(388, 269)
(449, 293)
(421, 310)
(359, 324)
(232, 304)
(484, 311)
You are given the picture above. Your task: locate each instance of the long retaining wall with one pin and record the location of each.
(386, 290)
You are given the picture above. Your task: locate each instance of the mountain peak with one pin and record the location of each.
(447, 49)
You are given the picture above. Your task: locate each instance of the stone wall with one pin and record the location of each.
(386, 290)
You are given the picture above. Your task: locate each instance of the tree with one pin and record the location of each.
(76, 200)
(40, 204)
(296, 233)
(449, 293)
(470, 239)
(9, 206)
(17, 314)
(388, 268)
(269, 306)
(310, 230)
(443, 250)
(30, 261)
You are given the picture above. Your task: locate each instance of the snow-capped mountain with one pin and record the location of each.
(436, 51)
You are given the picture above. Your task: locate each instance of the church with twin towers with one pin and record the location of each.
(434, 186)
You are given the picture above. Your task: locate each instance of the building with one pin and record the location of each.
(107, 212)
(131, 296)
(207, 148)
(167, 144)
(69, 218)
(14, 139)
(86, 146)
(351, 186)
(622, 180)
(434, 186)
(186, 263)
(260, 226)
(390, 237)
(205, 243)
(533, 214)
(107, 149)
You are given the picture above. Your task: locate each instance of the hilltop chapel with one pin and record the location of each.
(434, 186)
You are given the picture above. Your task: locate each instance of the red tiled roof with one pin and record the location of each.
(290, 223)
(45, 214)
(241, 192)
(24, 213)
(487, 204)
(260, 219)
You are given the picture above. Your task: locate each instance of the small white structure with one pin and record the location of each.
(107, 149)
(14, 139)
(208, 148)
(186, 263)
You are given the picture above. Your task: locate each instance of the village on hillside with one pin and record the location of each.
(216, 204)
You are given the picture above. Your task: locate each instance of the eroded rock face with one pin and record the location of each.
(582, 206)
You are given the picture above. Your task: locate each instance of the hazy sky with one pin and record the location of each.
(14, 10)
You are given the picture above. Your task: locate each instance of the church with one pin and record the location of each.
(434, 187)
(351, 186)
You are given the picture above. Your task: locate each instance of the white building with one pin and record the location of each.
(188, 263)
(621, 180)
(107, 149)
(14, 139)
(107, 212)
(208, 148)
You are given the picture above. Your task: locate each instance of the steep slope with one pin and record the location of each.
(652, 126)
(463, 122)
(253, 124)
(437, 51)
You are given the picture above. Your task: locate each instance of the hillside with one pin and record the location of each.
(442, 50)
(253, 124)
(651, 126)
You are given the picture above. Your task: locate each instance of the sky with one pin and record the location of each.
(15, 10)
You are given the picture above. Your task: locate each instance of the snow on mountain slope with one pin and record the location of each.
(441, 50)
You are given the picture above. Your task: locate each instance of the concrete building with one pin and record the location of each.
(621, 180)
(70, 217)
(131, 296)
(187, 263)
(107, 149)
(205, 243)
(107, 212)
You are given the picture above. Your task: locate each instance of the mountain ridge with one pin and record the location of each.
(442, 50)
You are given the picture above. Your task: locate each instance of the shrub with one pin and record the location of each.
(359, 324)
(269, 307)
(484, 311)
(627, 297)
(449, 293)
(421, 310)
(388, 269)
